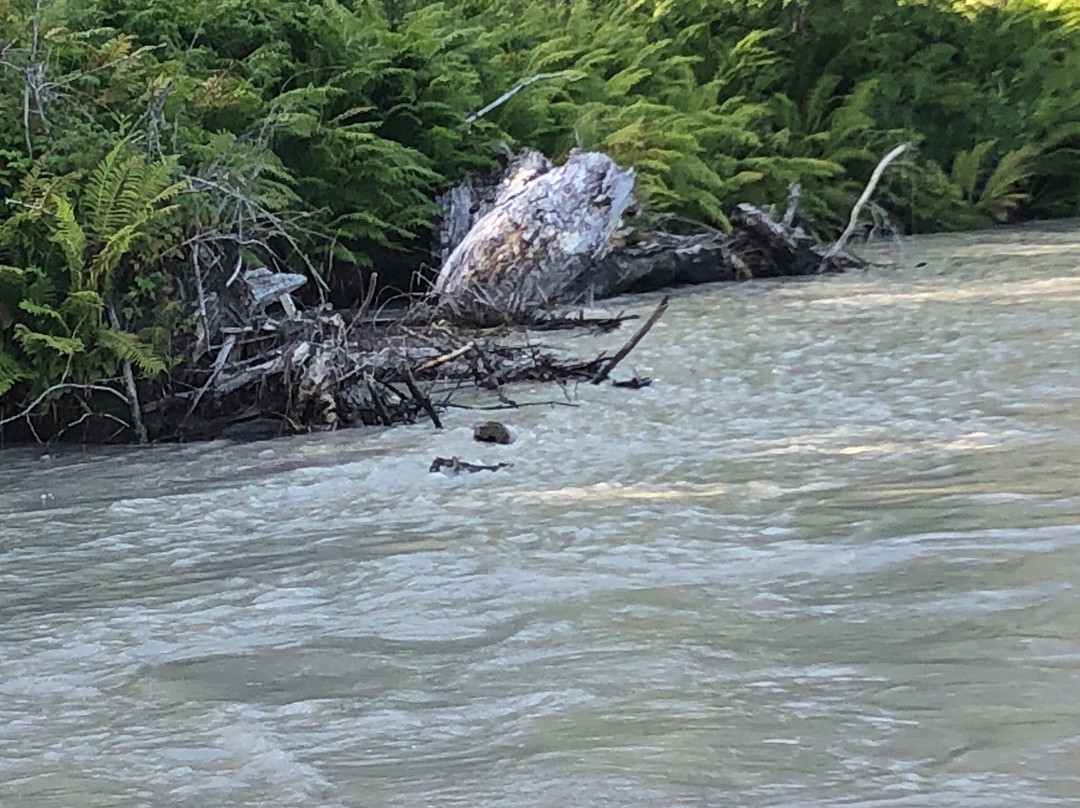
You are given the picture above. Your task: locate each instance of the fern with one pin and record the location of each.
(124, 197)
(84, 303)
(71, 238)
(11, 371)
(1005, 190)
(129, 346)
(44, 312)
(965, 170)
(35, 340)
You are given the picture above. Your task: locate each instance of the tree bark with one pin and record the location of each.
(548, 227)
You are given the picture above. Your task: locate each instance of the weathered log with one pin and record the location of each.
(268, 287)
(658, 260)
(471, 199)
(549, 235)
(545, 230)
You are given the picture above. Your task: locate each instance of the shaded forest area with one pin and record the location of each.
(152, 149)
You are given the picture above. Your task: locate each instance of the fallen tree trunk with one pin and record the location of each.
(538, 235)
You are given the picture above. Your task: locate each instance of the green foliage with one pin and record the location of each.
(58, 324)
(11, 371)
(317, 132)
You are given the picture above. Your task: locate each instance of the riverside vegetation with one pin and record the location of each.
(145, 144)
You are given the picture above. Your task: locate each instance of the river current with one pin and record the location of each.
(830, 557)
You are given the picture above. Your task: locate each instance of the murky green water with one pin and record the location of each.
(832, 557)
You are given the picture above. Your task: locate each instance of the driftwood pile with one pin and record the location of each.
(513, 245)
(323, 369)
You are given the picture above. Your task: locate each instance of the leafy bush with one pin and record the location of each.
(138, 137)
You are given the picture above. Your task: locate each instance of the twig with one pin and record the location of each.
(373, 279)
(31, 83)
(219, 365)
(90, 414)
(855, 211)
(515, 406)
(129, 383)
(29, 408)
(202, 295)
(420, 398)
(448, 357)
(259, 213)
(634, 340)
(521, 85)
(236, 270)
(794, 193)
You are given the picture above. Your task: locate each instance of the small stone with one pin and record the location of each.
(492, 432)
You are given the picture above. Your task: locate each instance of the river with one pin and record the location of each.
(831, 557)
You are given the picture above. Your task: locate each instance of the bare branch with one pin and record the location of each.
(570, 75)
(29, 408)
(855, 211)
(129, 383)
(632, 342)
(794, 194)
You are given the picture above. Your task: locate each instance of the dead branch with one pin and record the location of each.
(855, 211)
(129, 384)
(369, 295)
(455, 465)
(29, 408)
(418, 396)
(632, 342)
(447, 357)
(521, 85)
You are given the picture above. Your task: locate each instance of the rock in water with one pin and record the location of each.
(546, 229)
(492, 432)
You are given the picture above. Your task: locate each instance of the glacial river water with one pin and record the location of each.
(831, 557)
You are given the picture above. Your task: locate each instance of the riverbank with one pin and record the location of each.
(517, 243)
(384, 368)
(144, 151)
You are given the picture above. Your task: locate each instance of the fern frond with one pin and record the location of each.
(965, 170)
(105, 187)
(83, 303)
(35, 340)
(124, 191)
(822, 96)
(11, 371)
(43, 310)
(126, 345)
(1003, 193)
(108, 257)
(69, 234)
